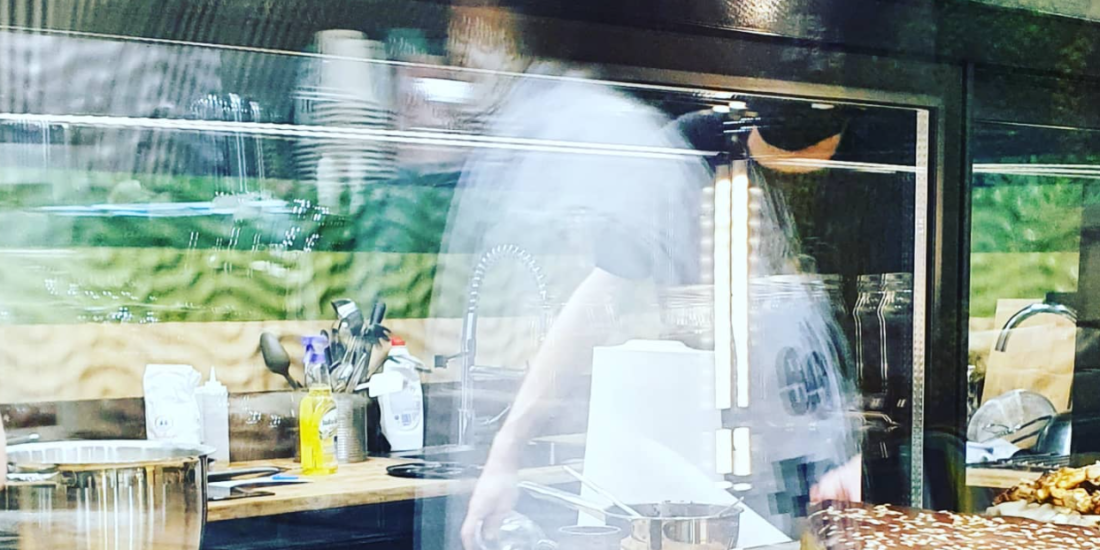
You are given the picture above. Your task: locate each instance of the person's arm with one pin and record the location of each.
(843, 484)
(567, 347)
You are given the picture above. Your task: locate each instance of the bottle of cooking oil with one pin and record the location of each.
(317, 413)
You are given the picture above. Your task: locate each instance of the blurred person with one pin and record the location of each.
(641, 217)
(782, 131)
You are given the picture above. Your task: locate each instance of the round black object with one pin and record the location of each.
(434, 470)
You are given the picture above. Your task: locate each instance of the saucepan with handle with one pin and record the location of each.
(661, 525)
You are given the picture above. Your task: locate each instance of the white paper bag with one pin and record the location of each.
(171, 407)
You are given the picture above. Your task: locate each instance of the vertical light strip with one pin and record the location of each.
(724, 449)
(723, 330)
(739, 279)
(920, 275)
(742, 452)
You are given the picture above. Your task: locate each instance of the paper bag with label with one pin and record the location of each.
(1039, 356)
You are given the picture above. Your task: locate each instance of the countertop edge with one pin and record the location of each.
(361, 484)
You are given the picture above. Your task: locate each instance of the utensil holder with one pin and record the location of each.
(351, 428)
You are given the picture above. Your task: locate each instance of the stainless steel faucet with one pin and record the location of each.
(467, 419)
(1029, 312)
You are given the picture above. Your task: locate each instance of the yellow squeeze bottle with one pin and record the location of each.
(317, 413)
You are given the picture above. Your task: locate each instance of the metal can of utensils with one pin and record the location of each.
(351, 427)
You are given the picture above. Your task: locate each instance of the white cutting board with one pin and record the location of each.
(651, 430)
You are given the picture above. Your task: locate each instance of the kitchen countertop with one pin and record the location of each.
(368, 483)
(352, 485)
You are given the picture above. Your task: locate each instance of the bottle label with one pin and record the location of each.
(328, 424)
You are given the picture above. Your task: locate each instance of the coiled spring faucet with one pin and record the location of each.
(468, 354)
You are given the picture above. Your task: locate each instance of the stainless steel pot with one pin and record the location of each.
(106, 495)
(663, 525)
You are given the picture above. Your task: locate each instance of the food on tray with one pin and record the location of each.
(1075, 488)
(863, 527)
(1042, 512)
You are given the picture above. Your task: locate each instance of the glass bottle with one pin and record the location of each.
(884, 314)
(896, 312)
(869, 342)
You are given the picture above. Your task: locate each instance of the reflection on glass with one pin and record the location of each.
(693, 295)
(1031, 339)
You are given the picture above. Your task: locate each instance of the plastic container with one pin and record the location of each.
(402, 413)
(213, 399)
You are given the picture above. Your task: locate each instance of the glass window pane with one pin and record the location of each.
(441, 273)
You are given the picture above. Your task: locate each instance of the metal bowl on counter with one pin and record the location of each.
(105, 495)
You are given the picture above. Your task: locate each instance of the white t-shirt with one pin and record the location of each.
(628, 201)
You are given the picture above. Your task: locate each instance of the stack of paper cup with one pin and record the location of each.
(348, 86)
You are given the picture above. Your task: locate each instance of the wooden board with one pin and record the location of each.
(353, 485)
(997, 479)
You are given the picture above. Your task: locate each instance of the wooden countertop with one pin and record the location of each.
(368, 483)
(996, 478)
(352, 485)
